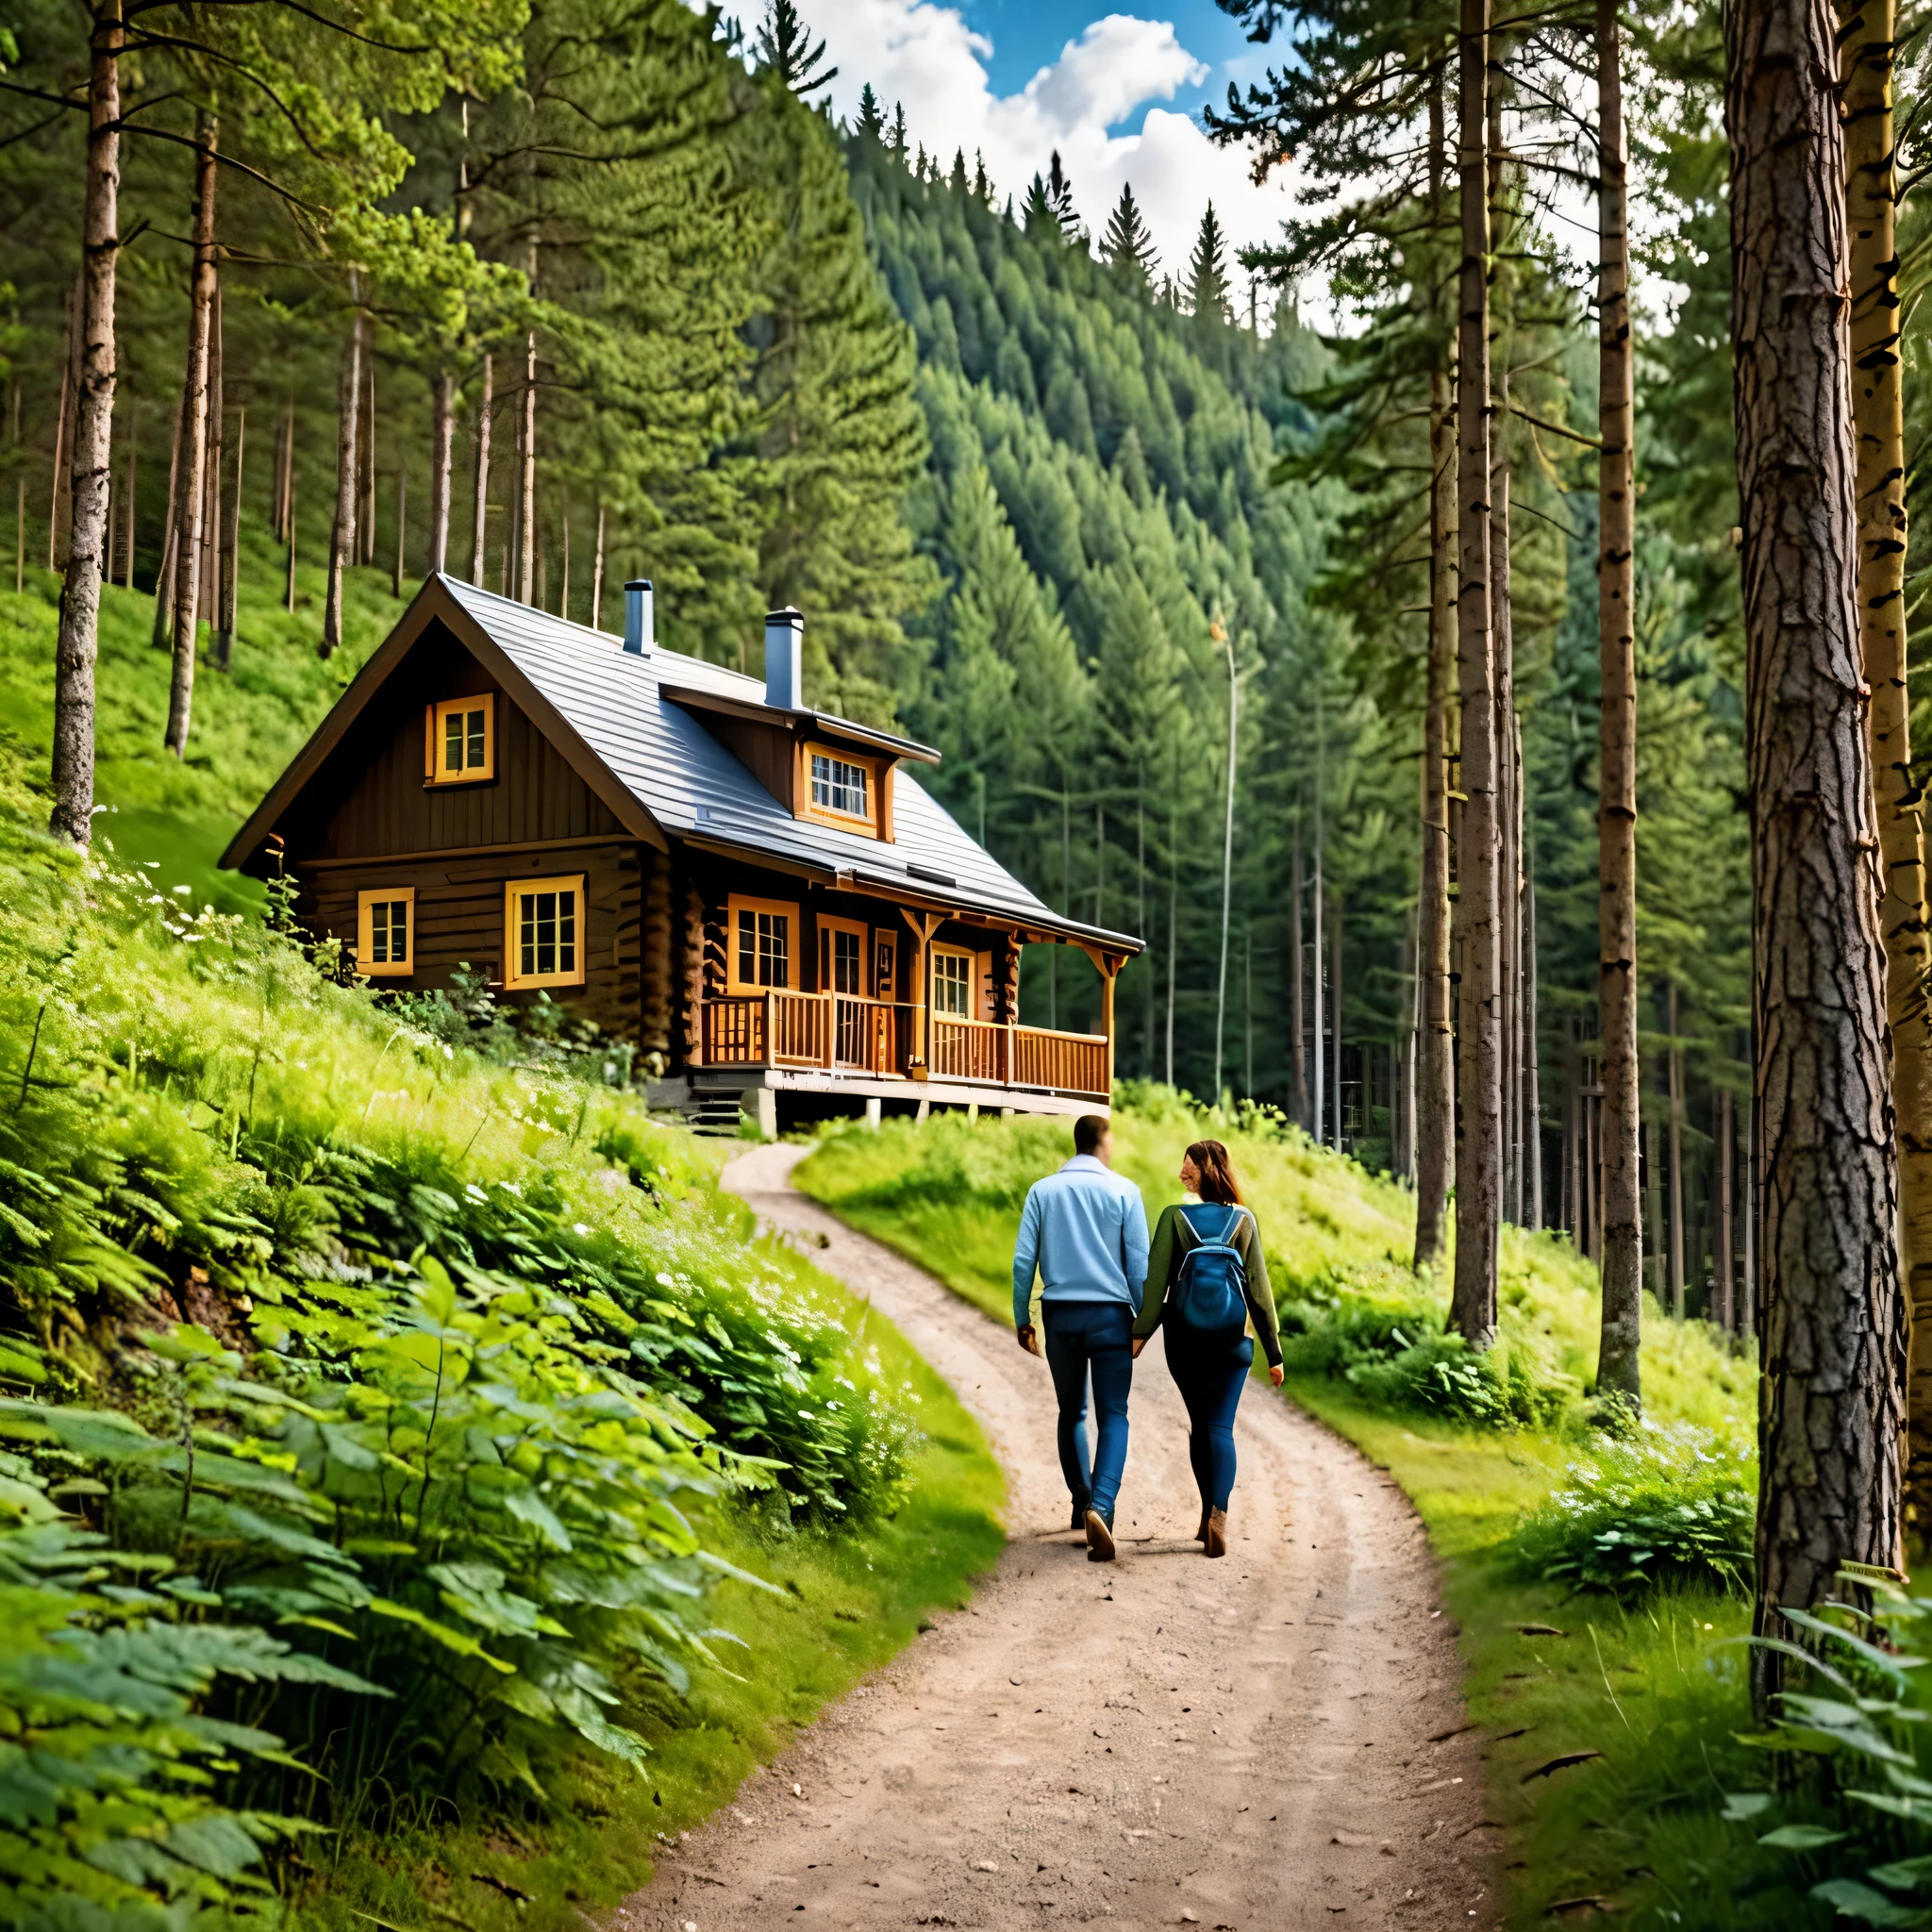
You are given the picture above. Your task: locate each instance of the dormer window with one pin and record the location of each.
(461, 737)
(840, 786)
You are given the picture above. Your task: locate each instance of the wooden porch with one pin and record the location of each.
(876, 1040)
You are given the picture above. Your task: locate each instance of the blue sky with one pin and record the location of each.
(1118, 94)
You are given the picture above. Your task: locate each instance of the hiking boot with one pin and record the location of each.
(1216, 1537)
(1099, 1538)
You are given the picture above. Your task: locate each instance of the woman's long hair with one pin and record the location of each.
(1218, 1183)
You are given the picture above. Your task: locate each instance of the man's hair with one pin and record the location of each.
(1089, 1130)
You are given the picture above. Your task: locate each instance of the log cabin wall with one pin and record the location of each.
(372, 809)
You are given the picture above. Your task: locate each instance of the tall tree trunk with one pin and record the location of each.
(1869, 35)
(479, 540)
(1297, 971)
(1435, 1103)
(1675, 1063)
(78, 642)
(1335, 1024)
(1727, 1196)
(231, 584)
(395, 585)
(342, 542)
(1532, 1038)
(64, 468)
(187, 529)
(527, 494)
(289, 589)
(164, 581)
(1832, 1301)
(214, 564)
(128, 532)
(1618, 1374)
(597, 624)
(443, 437)
(1478, 1097)
(366, 448)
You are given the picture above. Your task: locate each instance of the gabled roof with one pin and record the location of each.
(612, 715)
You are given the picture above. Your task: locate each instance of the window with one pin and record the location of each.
(385, 921)
(543, 932)
(840, 786)
(842, 958)
(846, 789)
(761, 950)
(461, 740)
(952, 984)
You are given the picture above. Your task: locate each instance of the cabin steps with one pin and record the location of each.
(720, 1114)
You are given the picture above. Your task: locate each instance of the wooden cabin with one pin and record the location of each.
(761, 897)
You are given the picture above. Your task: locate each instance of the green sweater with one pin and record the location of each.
(1165, 1267)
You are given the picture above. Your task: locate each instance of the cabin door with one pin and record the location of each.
(841, 973)
(885, 1016)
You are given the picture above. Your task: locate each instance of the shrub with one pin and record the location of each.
(1663, 1504)
(1400, 1357)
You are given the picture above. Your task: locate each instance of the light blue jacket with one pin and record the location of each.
(1085, 1231)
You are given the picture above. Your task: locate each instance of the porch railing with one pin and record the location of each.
(846, 1034)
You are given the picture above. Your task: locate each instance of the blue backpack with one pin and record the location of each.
(1211, 1292)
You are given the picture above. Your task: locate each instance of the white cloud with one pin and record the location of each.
(927, 57)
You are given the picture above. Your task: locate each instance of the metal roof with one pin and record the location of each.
(693, 787)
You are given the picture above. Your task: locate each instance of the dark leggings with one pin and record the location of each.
(1208, 1370)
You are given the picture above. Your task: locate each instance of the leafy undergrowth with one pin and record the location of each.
(1611, 1707)
(405, 1443)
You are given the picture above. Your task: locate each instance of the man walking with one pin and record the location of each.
(1085, 1231)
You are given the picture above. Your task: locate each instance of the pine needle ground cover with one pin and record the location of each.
(418, 1489)
(1612, 1713)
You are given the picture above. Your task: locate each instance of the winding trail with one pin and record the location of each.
(1270, 1742)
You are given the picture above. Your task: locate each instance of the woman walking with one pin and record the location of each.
(1207, 1280)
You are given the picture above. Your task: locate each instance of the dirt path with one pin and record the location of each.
(1242, 1745)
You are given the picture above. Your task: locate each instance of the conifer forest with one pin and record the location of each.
(1467, 635)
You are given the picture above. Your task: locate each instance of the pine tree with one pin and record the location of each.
(957, 179)
(897, 142)
(982, 187)
(1126, 246)
(1208, 271)
(785, 49)
(1037, 217)
(1059, 198)
(871, 117)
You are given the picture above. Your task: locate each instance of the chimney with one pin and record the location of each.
(638, 637)
(785, 660)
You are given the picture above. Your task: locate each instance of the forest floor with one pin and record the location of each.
(1275, 1741)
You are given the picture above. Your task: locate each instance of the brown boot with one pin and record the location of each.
(1216, 1537)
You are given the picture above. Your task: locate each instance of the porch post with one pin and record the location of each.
(1109, 973)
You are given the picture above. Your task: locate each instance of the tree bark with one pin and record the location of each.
(1435, 1123)
(441, 438)
(597, 624)
(1832, 1300)
(1618, 1372)
(1726, 1193)
(1869, 33)
(64, 409)
(188, 531)
(231, 587)
(1335, 1024)
(164, 581)
(1532, 1039)
(479, 540)
(214, 568)
(402, 524)
(289, 589)
(342, 542)
(526, 518)
(1297, 1013)
(1674, 1065)
(1478, 1096)
(78, 643)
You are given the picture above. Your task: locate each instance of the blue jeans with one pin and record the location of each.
(1209, 1370)
(1094, 1339)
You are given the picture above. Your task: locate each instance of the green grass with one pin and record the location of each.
(852, 1603)
(1657, 1688)
(247, 722)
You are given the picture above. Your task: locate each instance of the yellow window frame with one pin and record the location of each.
(971, 960)
(436, 720)
(366, 962)
(515, 892)
(783, 908)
